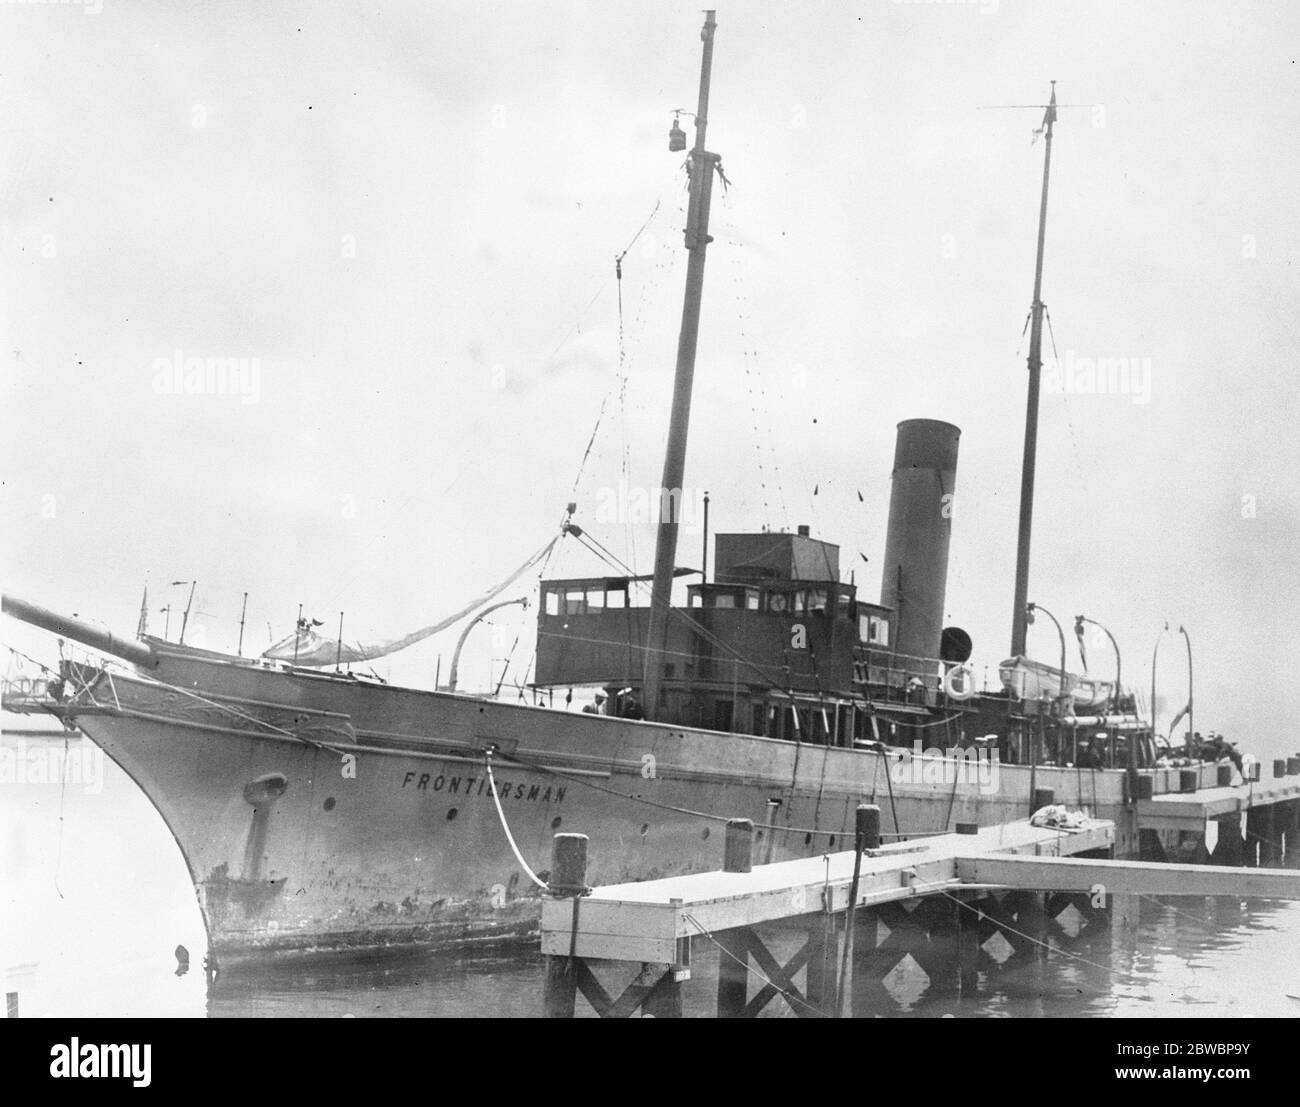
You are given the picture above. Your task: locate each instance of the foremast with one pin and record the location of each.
(701, 165)
(1018, 615)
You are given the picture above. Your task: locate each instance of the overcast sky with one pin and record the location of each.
(407, 213)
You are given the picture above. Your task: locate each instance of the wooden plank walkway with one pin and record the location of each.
(1069, 874)
(1189, 810)
(645, 921)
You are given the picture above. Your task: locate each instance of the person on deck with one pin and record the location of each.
(596, 708)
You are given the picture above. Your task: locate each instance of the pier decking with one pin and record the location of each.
(937, 900)
(645, 921)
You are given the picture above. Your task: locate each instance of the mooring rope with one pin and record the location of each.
(505, 826)
(789, 997)
(232, 711)
(1036, 941)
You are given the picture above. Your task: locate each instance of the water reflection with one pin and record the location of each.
(97, 918)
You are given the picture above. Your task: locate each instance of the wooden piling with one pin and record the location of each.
(943, 965)
(968, 948)
(738, 846)
(1268, 846)
(866, 835)
(1256, 833)
(665, 999)
(568, 878)
(733, 950)
(822, 948)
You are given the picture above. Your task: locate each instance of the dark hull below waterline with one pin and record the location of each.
(317, 814)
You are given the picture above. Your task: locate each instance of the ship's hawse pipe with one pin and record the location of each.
(70, 627)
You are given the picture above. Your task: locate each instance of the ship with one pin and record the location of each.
(323, 811)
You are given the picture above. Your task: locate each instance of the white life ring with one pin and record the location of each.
(967, 688)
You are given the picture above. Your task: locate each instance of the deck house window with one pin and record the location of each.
(552, 603)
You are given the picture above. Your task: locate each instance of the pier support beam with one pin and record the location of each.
(733, 973)
(1260, 843)
(1230, 849)
(568, 871)
(1150, 847)
(823, 960)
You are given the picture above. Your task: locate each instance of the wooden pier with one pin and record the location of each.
(1257, 820)
(859, 912)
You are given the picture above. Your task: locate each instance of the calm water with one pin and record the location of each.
(94, 899)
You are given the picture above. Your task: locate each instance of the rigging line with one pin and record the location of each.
(1036, 941)
(618, 271)
(653, 212)
(1069, 423)
(893, 809)
(582, 465)
(505, 826)
(952, 800)
(750, 360)
(1024, 330)
(63, 787)
(210, 703)
(708, 635)
(536, 767)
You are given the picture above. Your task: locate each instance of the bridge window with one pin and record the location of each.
(595, 599)
(552, 603)
(751, 599)
(724, 599)
(574, 603)
(873, 630)
(616, 597)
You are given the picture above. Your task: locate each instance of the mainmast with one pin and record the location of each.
(1018, 620)
(701, 165)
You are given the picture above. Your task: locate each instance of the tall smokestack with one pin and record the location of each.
(920, 523)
